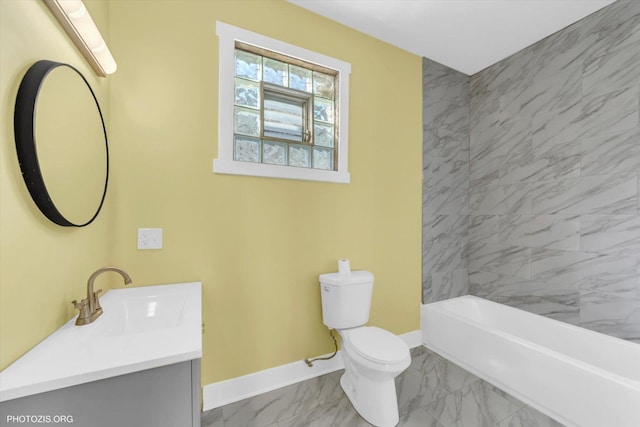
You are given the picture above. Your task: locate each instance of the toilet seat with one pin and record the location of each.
(378, 345)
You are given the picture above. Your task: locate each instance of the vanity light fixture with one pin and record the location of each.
(77, 22)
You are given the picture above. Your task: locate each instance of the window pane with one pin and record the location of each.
(247, 93)
(323, 85)
(275, 72)
(323, 135)
(246, 149)
(283, 118)
(300, 78)
(248, 65)
(299, 155)
(274, 153)
(246, 122)
(323, 110)
(323, 158)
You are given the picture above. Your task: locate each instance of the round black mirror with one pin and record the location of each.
(61, 143)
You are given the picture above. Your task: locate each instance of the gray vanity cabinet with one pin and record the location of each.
(167, 396)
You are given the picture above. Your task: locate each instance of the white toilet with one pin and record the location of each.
(372, 356)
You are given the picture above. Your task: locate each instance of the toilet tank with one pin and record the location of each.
(346, 299)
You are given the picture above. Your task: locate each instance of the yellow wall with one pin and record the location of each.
(42, 266)
(257, 244)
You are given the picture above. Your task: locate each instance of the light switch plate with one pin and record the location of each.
(149, 238)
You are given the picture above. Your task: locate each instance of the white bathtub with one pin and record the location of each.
(574, 375)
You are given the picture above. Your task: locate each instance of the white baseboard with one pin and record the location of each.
(224, 392)
(413, 338)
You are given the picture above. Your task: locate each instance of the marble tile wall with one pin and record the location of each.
(445, 182)
(554, 220)
(431, 392)
(531, 174)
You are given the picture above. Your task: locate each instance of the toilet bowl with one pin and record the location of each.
(372, 356)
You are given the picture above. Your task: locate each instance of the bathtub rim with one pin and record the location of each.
(627, 381)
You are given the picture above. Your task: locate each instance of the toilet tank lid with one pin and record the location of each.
(353, 278)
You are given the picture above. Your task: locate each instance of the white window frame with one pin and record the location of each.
(225, 163)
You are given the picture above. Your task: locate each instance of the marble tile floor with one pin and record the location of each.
(432, 392)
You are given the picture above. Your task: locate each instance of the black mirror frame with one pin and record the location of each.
(24, 130)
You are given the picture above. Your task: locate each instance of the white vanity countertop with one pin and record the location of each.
(141, 328)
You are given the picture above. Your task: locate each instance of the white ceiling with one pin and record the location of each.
(466, 35)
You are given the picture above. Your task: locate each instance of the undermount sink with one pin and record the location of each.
(149, 313)
(141, 328)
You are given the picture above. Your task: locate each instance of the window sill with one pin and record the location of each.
(275, 171)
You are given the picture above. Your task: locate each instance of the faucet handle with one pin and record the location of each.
(83, 306)
(96, 300)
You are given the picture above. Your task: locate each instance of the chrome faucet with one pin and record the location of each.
(89, 307)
